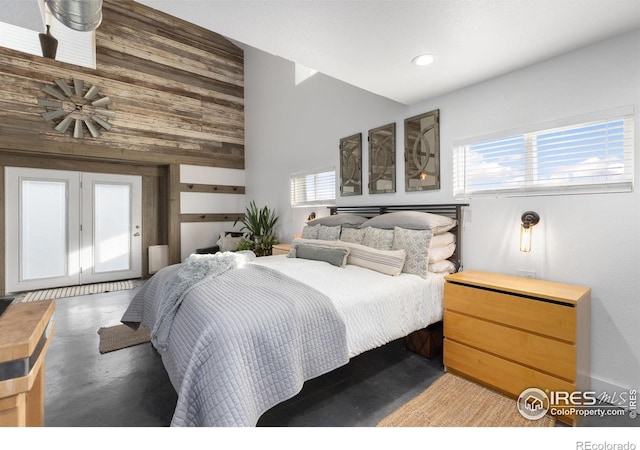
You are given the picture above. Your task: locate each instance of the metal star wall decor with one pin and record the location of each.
(85, 109)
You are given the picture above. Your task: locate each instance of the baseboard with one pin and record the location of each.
(612, 393)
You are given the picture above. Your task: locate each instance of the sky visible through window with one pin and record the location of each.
(574, 155)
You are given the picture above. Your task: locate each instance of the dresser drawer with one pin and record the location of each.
(555, 357)
(499, 373)
(505, 376)
(543, 317)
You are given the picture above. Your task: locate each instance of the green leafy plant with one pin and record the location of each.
(246, 245)
(260, 224)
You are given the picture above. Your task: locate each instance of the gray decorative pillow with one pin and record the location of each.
(316, 242)
(378, 238)
(355, 235)
(413, 220)
(310, 232)
(416, 244)
(336, 256)
(327, 233)
(344, 220)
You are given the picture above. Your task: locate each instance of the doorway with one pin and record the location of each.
(67, 228)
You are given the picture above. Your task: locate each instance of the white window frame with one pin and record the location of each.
(310, 189)
(530, 181)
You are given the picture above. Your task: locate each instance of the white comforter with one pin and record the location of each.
(375, 307)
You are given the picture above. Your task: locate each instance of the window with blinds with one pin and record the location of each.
(74, 47)
(316, 188)
(586, 157)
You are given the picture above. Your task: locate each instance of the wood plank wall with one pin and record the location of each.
(178, 96)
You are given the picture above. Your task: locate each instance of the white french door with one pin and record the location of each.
(65, 228)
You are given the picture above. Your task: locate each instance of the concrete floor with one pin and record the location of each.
(130, 388)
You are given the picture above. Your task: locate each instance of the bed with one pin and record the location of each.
(239, 334)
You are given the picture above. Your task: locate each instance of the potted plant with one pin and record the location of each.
(260, 224)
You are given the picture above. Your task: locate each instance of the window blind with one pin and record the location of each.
(316, 188)
(585, 157)
(74, 47)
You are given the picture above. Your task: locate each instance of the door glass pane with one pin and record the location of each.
(112, 219)
(43, 244)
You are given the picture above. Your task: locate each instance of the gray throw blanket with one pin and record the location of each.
(241, 342)
(195, 269)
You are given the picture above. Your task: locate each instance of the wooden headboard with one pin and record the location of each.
(452, 210)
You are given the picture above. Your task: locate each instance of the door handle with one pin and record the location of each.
(137, 234)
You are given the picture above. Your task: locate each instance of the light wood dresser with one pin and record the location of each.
(25, 333)
(512, 333)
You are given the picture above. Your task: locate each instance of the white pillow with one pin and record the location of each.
(389, 262)
(444, 266)
(442, 239)
(437, 254)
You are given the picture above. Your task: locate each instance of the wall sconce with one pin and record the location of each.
(529, 219)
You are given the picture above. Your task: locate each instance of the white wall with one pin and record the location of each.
(291, 129)
(196, 235)
(590, 240)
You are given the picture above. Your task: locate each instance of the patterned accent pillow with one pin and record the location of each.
(355, 235)
(327, 233)
(378, 238)
(310, 232)
(416, 244)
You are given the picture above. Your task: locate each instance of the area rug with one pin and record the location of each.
(74, 291)
(452, 401)
(121, 336)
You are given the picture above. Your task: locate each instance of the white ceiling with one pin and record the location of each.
(370, 43)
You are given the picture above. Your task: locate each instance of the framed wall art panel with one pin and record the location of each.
(382, 159)
(422, 152)
(351, 165)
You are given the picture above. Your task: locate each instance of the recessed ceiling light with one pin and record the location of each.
(423, 60)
